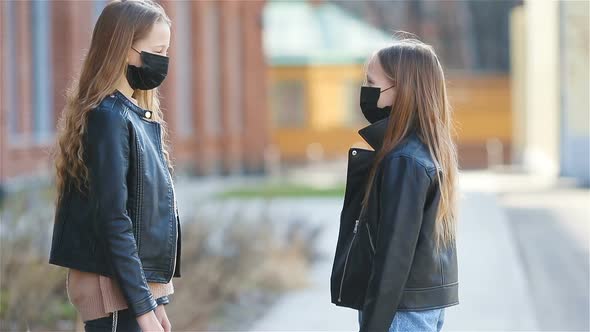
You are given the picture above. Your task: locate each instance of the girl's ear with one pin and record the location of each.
(133, 59)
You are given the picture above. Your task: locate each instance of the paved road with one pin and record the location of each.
(493, 292)
(523, 257)
(551, 229)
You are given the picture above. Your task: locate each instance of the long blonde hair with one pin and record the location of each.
(422, 102)
(120, 24)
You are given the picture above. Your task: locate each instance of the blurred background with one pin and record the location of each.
(262, 105)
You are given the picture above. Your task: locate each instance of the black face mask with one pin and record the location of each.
(369, 98)
(152, 72)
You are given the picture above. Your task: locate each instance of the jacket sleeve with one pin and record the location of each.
(164, 300)
(108, 156)
(401, 195)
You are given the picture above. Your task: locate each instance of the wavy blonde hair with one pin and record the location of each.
(119, 26)
(422, 101)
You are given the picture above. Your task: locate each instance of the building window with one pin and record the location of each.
(353, 116)
(10, 74)
(287, 100)
(184, 60)
(42, 112)
(98, 7)
(212, 56)
(233, 42)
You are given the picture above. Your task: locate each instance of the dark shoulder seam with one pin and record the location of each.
(413, 159)
(122, 111)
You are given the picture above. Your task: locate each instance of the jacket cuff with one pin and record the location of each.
(143, 306)
(163, 300)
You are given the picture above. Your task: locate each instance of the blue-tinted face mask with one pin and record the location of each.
(369, 98)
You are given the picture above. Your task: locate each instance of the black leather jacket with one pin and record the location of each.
(127, 224)
(386, 260)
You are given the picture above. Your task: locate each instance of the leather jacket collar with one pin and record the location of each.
(374, 134)
(147, 114)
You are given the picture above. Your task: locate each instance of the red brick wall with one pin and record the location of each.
(19, 154)
(3, 83)
(255, 87)
(244, 134)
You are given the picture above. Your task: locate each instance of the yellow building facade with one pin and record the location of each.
(332, 117)
(314, 91)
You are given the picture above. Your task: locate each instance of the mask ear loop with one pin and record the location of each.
(138, 52)
(387, 88)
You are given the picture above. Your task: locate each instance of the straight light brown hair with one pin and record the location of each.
(422, 103)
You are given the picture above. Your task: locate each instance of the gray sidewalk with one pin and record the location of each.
(493, 291)
(310, 309)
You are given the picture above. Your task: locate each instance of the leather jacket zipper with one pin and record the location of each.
(370, 238)
(173, 202)
(139, 200)
(356, 225)
(175, 225)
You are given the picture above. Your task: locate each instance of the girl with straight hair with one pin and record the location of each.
(396, 260)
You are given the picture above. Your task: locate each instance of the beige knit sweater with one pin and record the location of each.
(95, 296)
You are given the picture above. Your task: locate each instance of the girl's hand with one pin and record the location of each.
(163, 318)
(148, 322)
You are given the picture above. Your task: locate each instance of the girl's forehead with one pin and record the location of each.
(374, 66)
(159, 33)
(371, 63)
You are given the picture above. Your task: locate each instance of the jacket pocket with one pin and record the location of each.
(352, 268)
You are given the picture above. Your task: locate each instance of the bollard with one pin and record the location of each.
(495, 152)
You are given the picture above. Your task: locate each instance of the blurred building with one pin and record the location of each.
(317, 51)
(316, 56)
(214, 97)
(550, 52)
(467, 35)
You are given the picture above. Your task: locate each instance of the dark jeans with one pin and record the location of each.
(119, 321)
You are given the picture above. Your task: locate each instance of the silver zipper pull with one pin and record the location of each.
(356, 226)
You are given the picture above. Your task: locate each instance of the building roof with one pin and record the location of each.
(302, 33)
